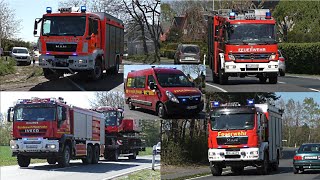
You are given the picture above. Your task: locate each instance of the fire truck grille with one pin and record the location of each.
(189, 100)
(61, 47)
(232, 140)
(252, 56)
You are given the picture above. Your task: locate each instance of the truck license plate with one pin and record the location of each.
(252, 65)
(232, 152)
(192, 107)
(31, 146)
(189, 58)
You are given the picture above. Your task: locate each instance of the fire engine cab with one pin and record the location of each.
(244, 135)
(243, 44)
(74, 40)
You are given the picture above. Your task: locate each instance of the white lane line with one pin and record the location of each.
(223, 172)
(75, 84)
(129, 172)
(282, 82)
(216, 87)
(314, 90)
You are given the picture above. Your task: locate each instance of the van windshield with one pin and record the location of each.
(173, 80)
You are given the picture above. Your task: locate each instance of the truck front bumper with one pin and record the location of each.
(34, 145)
(244, 154)
(180, 108)
(73, 63)
(232, 67)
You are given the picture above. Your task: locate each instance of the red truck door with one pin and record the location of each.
(63, 120)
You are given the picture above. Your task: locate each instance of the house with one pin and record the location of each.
(133, 40)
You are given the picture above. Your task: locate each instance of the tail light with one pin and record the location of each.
(297, 158)
(281, 59)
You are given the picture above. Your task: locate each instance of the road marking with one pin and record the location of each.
(216, 87)
(129, 172)
(282, 82)
(75, 84)
(224, 172)
(314, 90)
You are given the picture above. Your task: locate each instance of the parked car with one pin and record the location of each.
(21, 55)
(187, 53)
(307, 157)
(158, 147)
(282, 64)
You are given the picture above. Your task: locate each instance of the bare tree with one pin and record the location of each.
(114, 99)
(131, 8)
(73, 3)
(9, 24)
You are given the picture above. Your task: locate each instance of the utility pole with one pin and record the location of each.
(212, 5)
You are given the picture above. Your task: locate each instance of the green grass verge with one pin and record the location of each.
(7, 65)
(6, 159)
(192, 176)
(147, 152)
(143, 174)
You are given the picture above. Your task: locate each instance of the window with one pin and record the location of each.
(93, 27)
(136, 82)
(151, 79)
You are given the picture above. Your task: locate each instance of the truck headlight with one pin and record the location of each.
(212, 153)
(172, 97)
(272, 57)
(254, 153)
(51, 146)
(231, 57)
(15, 146)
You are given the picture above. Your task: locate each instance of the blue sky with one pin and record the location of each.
(27, 11)
(129, 68)
(299, 96)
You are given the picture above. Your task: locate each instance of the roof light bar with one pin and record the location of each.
(49, 10)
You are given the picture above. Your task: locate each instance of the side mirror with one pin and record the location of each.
(9, 114)
(35, 32)
(35, 27)
(152, 86)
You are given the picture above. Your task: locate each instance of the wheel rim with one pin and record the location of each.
(130, 105)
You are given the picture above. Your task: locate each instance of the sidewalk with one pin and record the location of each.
(177, 172)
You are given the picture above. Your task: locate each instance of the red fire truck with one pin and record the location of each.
(122, 135)
(243, 44)
(50, 129)
(74, 40)
(241, 136)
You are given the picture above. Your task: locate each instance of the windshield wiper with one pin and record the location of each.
(51, 34)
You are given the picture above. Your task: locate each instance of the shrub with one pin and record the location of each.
(7, 65)
(301, 58)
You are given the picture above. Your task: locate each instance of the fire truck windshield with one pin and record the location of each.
(239, 121)
(173, 80)
(35, 113)
(64, 26)
(251, 33)
(111, 118)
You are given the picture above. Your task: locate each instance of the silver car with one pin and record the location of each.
(21, 55)
(188, 54)
(282, 64)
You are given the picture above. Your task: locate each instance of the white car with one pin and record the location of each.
(21, 55)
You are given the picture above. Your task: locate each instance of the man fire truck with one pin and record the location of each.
(74, 40)
(122, 135)
(241, 136)
(243, 44)
(50, 129)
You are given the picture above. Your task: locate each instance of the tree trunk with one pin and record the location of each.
(144, 41)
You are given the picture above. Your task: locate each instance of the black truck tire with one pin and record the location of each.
(131, 106)
(23, 161)
(51, 160)
(89, 156)
(96, 155)
(115, 69)
(64, 159)
(161, 111)
(264, 169)
(133, 156)
(273, 79)
(97, 72)
(215, 169)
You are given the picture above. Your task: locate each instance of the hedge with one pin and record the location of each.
(301, 58)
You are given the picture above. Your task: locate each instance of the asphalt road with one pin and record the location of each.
(103, 170)
(288, 83)
(140, 113)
